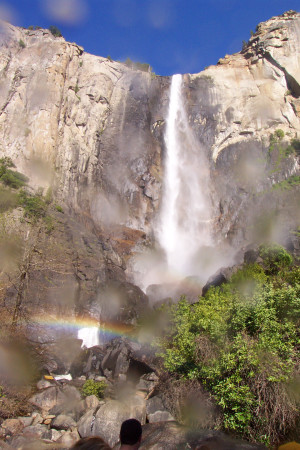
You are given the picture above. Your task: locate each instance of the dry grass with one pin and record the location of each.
(189, 403)
(278, 404)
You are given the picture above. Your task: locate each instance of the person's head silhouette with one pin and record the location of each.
(130, 434)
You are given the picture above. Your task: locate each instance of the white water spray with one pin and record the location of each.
(185, 215)
(89, 336)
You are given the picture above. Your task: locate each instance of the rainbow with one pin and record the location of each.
(108, 329)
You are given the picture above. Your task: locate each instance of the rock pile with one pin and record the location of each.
(62, 415)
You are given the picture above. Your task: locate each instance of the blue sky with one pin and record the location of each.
(173, 36)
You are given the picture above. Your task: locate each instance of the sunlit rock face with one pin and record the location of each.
(84, 123)
(234, 107)
(94, 129)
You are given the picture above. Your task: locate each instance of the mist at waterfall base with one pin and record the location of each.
(185, 256)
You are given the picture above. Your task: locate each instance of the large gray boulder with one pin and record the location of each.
(125, 357)
(171, 435)
(107, 420)
(48, 398)
(85, 423)
(63, 422)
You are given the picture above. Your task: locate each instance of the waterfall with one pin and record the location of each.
(89, 336)
(184, 222)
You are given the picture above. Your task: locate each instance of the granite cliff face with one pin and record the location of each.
(93, 130)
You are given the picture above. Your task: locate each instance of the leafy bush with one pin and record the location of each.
(49, 222)
(6, 161)
(34, 206)
(240, 341)
(22, 43)
(55, 31)
(275, 257)
(8, 199)
(59, 208)
(92, 387)
(288, 184)
(279, 133)
(145, 67)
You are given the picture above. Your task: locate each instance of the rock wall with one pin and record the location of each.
(93, 129)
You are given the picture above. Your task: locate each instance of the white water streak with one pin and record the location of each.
(89, 336)
(185, 214)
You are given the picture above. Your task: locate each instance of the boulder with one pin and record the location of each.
(48, 398)
(154, 404)
(85, 424)
(43, 384)
(160, 416)
(107, 420)
(90, 402)
(70, 399)
(87, 362)
(171, 435)
(221, 276)
(36, 431)
(69, 438)
(120, 301)
(147, 382)
(37, 418)
(55, 434)
(4, 446)
(166, 435)
(27, 421)
(12, 426)
(125, 357)
(63, 422)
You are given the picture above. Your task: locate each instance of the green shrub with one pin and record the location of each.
(145, 67)
(49, 222)
(240, 341)
(48, 196)
(6, 161)
(275, 257)
(22, 43)
(34, 206)
(279, 133)
(55, 31)
(287, 184)
(9, 177)
(8, 199)
(59, 208)
(92, 387)
(13, 179)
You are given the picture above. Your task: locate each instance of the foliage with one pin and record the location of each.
(34, 205)
(59, 208)
(49, 222)
(279, 133)
(55, 31)
(36, 27)
(14, 403)
(22, 43)
(244, 45)
(8, 199)
(6, 161)
(240, 341)
(275, 257)
(145, 67)
(10, 177)
(287, 184)
(92, 387)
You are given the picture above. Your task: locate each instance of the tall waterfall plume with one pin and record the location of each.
(184, 225)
